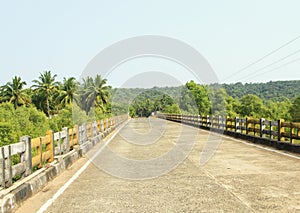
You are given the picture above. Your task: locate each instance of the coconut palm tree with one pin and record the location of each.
(102, 92)
(14, 92)
(45, 87)
(67, 91)
(94, 93)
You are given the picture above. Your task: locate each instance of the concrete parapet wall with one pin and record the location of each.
(13, 196)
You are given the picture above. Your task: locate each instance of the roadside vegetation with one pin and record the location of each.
(50, 104)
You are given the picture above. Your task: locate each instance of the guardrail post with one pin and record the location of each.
(79, 134)
(242, 123)
(9, 167)
(207, 121)
(280, 130)
(2, 166)
(236, 124)
(102, 126)
(40, 153)
(99, 126)
(223, 122)
(219, 121)
(247, 126)
(85, 132)
(292, 129)
(298, 132)
(66, 141)
(27, 156)
(95, 129)
(75, 137)
(262, 127)
(50, 147)
(271, 127)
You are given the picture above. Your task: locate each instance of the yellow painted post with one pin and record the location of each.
(281, 130)
(298, 132)
(91, 130)
(292, 131)
(98, 126)
(40, 153)
(75, 134)
(247, 126)
(70, 132)
(50, 145)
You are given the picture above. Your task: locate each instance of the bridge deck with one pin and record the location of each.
(239, 177)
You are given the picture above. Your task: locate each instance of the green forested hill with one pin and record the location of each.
(273, 90)
(270, 100)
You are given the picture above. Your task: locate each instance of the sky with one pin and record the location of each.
(64, 36)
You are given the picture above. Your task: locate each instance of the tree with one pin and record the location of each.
(275, 110)
(252, 106)
(232, 106)
(200, 96)
(15, 123)
(295, 110)
(217, 97)
(45, 87)
(67, 91)
(14, 92)
(94, 92)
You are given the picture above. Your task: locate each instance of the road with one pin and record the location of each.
(146, 167)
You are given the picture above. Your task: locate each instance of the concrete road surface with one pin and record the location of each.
(146, 167)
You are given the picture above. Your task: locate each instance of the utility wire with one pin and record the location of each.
(269, 65)
(262, 58)
(283, 65)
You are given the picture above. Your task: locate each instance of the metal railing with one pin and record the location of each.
(274, 130)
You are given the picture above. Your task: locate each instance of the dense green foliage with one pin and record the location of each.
(152, 100)
(211, 99)
(273, 90)
(15, 123)
(49, 104)
(295, 109)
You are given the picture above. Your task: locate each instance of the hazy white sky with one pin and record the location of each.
(63, 36)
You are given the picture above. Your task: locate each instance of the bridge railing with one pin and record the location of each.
(273, 130)
(21, 159)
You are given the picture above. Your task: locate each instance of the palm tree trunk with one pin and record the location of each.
(48, 107)
(16, 103)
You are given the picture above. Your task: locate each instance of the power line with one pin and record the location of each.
(260, 59)
(279, 60)
(283, 65)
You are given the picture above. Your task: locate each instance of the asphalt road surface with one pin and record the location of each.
(152, 165)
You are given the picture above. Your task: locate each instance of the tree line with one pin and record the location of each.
(50, 104)
(273, 90)
(193, 98)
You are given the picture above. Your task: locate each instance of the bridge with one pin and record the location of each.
(155, 164)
